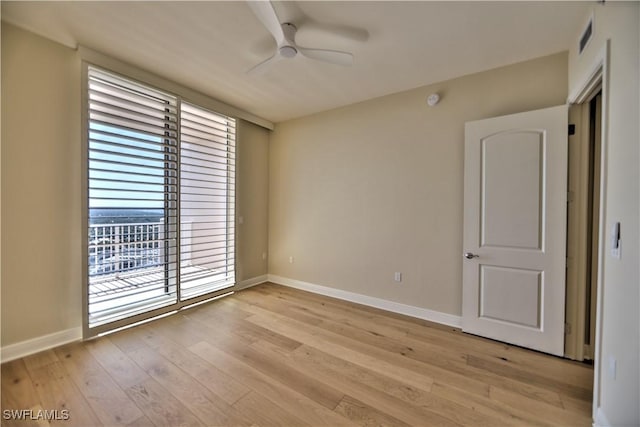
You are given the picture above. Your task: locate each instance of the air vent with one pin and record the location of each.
(586, 36)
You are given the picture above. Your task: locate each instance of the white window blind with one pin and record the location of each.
(159, 170)
(207, 194)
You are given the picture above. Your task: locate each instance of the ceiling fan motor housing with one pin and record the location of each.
(287, 47)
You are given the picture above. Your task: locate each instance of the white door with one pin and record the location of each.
(515, 186)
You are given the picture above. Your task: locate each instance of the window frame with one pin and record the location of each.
(90, 59)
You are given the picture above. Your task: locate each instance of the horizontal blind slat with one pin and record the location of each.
(128, 140)
(155, 137)
(157, 109)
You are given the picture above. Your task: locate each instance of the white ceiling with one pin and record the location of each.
(208, 46)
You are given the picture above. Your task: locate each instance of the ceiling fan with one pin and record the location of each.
(284, 35)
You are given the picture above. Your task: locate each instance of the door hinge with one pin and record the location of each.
(570, 196)
(572, 129)
(567, 328)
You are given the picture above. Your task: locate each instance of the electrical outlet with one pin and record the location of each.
(397, 276)
(264, 256)
(240, 220)
(290, 260)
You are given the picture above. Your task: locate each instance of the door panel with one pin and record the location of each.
(510, 192)
(511, 295)
(515, 228)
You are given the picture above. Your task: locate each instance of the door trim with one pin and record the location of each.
(599, 72)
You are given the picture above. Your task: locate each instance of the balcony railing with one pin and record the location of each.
(132, 265)
(122, 248)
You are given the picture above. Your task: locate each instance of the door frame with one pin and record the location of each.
(598, 74)
(582, 230)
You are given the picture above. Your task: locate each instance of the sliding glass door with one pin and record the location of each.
(161, 191)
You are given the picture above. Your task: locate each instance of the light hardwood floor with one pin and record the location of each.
(271, 355)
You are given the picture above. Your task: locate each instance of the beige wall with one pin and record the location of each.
(41, 291)
(41, 189)
(619, 23)
(361, 192)
(252, 200)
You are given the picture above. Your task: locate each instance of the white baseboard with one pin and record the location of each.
(395, 307)
(601, 419)
(34, 345)
(252, 282)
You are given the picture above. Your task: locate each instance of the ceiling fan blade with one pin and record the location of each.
(264, 65)
(330, 33)
(332, 56)
(266, 13)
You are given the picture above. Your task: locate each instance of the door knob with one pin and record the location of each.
(469, 255)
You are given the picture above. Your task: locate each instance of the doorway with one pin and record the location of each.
(583, 225)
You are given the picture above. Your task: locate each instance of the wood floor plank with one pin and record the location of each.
(537, 408)
(278, 369)
(328, 302)
(401, 368)
(143, 421)
(218, 382)
(320, 361)
(200, 401)
(57, 392)
(305, 315)
(272, 355)
(108, 401)
(416, 349)
(288, 398)
(160, 407)
(424, 408)
(263, 412)
(484, 405)
(121, 368)
(573, 373)
(188, 330)
(530, 378)
(577, 406)
(17, 391)
(40, 359)
(247, 330)
(365, 415)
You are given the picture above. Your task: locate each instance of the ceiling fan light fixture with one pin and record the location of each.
(288, 51)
